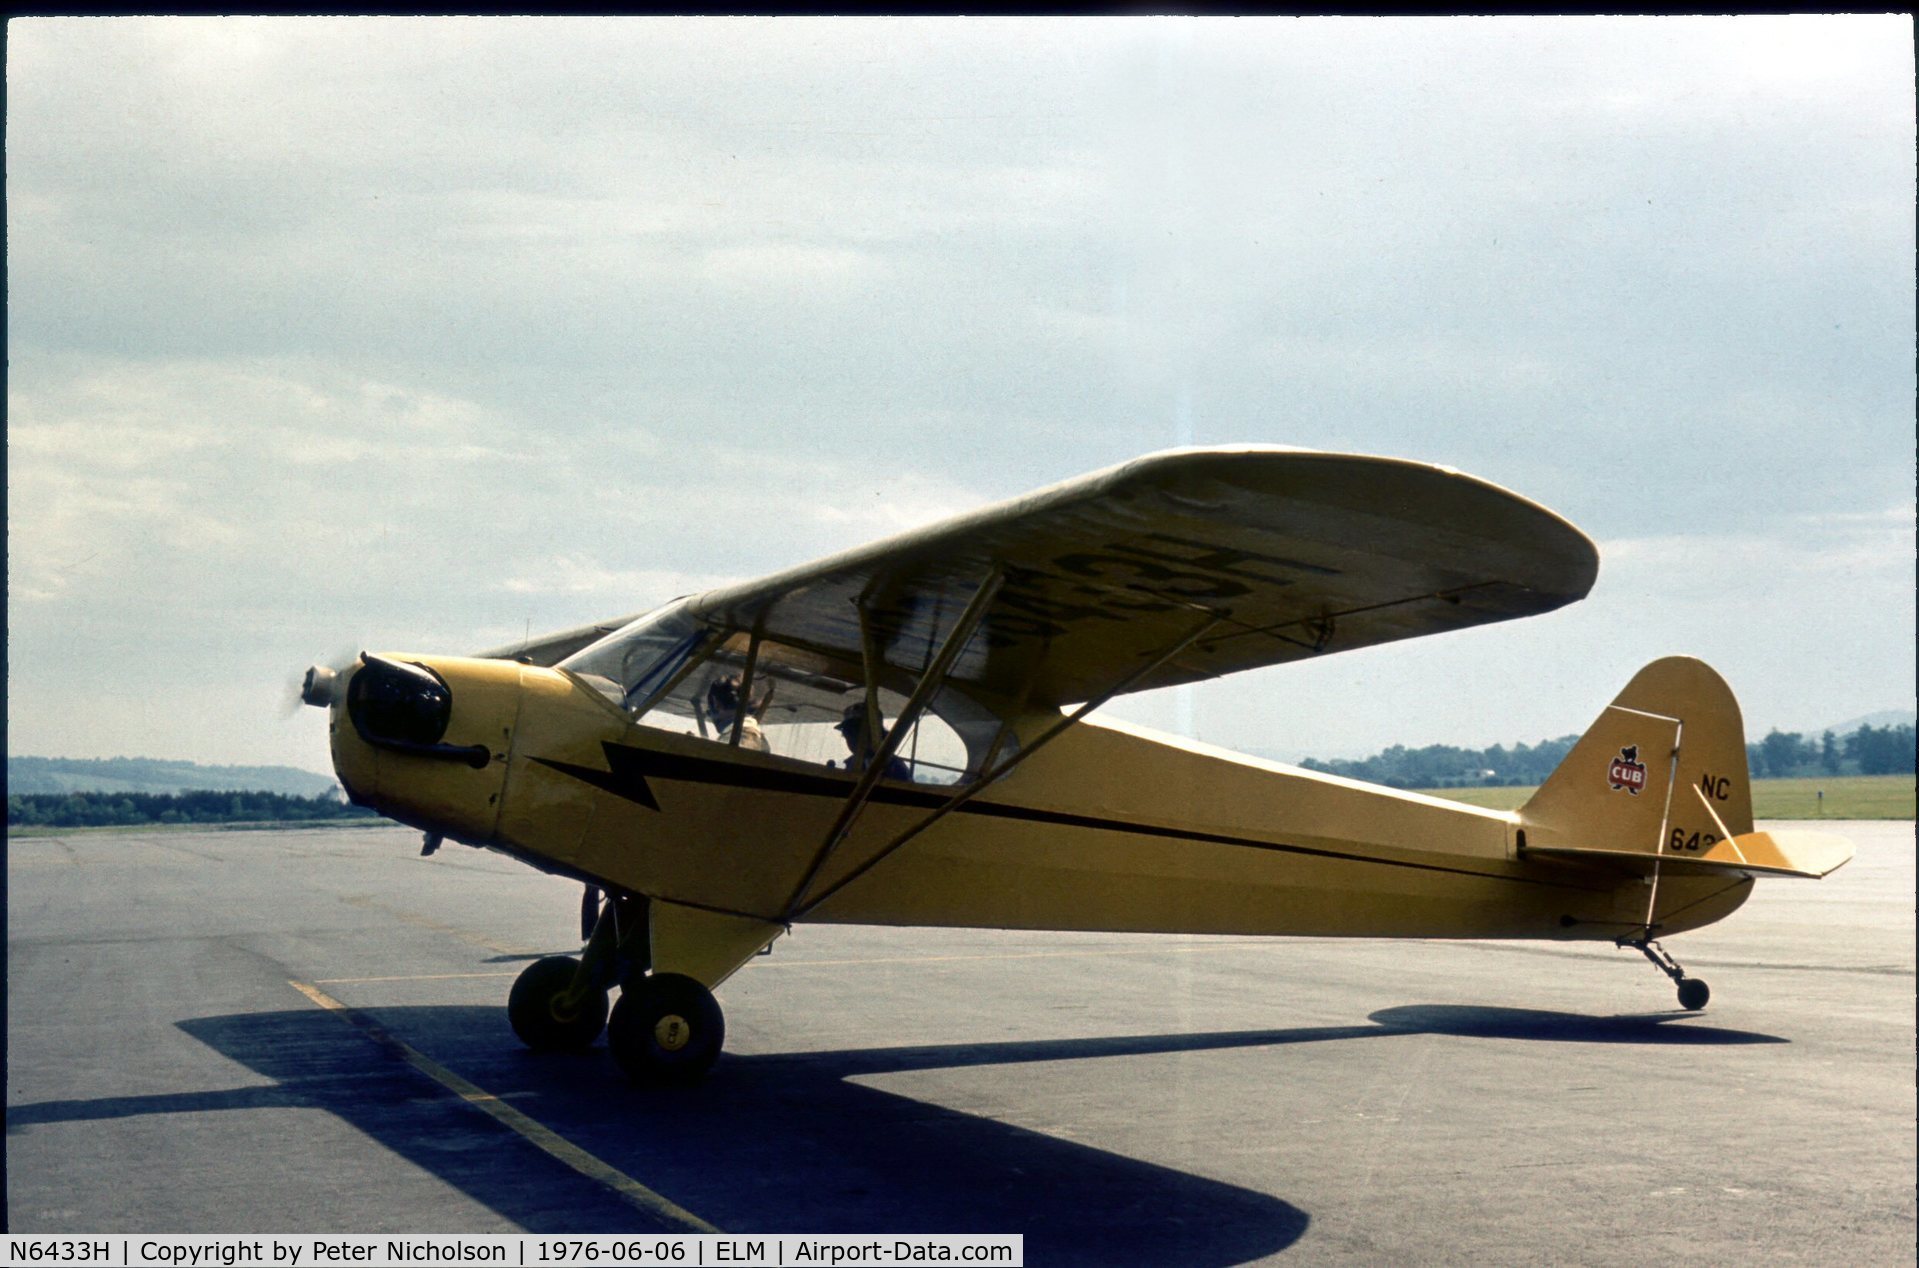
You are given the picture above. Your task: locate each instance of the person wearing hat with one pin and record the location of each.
(851, 723)
(723, 705)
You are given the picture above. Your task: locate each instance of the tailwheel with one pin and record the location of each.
(666, 1028)
(549, 1013)
(1693, 993)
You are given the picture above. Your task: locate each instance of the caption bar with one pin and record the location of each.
(232, 1250)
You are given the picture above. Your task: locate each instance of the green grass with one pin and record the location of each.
(1847, 797)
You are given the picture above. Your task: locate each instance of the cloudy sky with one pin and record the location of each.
(419, 334)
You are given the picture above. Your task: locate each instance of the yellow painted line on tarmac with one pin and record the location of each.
(404, 977)
(540, 1135)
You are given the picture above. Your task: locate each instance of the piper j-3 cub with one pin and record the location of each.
(899, 735)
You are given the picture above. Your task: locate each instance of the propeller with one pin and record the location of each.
(316, 685)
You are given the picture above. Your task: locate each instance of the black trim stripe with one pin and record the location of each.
(628, 770)
(1214, 838)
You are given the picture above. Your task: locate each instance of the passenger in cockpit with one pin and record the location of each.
(723, 705)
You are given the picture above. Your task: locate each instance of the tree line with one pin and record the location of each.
(112, 809)
(1780, 755)
(1447, 766)
(1871, 750)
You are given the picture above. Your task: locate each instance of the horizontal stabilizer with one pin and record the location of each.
(1789, 853)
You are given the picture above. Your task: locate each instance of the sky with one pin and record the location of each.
(420, 334)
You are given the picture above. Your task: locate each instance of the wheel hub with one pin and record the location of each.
(671, 1032)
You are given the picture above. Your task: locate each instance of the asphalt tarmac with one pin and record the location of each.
(293, 1031)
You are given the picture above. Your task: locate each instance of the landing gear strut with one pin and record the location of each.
(1693, 993)
(665, 1027)
(559, 1003)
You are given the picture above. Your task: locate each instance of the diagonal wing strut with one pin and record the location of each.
(799, 907)
(929, 682)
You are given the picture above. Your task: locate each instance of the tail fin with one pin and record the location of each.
(1662, 776)
(1661, 772)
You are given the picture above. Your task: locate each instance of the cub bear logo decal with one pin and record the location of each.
(1627, 772)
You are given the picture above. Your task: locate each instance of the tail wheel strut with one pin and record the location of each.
(1693, 993)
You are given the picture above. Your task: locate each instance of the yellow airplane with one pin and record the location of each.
(898, 735)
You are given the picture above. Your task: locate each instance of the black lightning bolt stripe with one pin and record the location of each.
(624, 776)
(628, 769)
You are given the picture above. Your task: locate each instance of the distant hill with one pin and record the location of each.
(1885, 717)
(156, 775)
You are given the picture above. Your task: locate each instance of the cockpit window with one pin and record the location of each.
(674, 673)
(635, 663)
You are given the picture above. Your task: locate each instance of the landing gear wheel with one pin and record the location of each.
(543, 1016)
(1693, 994)
(666, 1028)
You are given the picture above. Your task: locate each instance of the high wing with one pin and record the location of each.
(1297, 553)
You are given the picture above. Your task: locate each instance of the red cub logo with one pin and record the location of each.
(1627, 771)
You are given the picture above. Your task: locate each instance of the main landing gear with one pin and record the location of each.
(664, 1028)
(1693, 993)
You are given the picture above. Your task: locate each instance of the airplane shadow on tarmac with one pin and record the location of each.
(790, 1142)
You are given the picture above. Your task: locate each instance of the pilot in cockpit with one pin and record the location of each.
(851, 723)
(723, 706)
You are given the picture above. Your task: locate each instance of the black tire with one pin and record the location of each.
(1693, 994)
(539, 1022)
(666, 1028)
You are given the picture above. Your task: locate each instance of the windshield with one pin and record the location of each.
(633, 663)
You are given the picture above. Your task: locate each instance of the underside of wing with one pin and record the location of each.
(1293, 553)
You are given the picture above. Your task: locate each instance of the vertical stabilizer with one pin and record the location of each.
(1661, 772)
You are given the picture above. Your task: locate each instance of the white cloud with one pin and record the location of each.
(1847, 550)
(791, 268)
(604, 589)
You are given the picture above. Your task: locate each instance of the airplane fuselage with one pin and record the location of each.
(1106, 828)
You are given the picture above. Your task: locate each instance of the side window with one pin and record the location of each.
(931, 752)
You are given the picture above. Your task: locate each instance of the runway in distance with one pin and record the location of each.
(899, 735)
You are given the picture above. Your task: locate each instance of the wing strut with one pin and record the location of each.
(930, 681)
(746, 687)
(993, 776)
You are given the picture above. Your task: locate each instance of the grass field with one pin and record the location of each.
(1847, 797)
